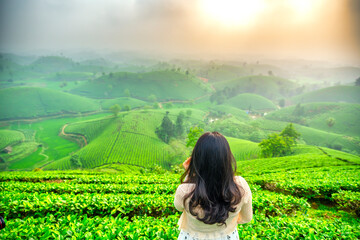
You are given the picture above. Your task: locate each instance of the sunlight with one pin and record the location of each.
(304, 8)
(233, 12)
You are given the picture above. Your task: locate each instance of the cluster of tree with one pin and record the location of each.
(168, 129)
(299, 110)
(220, 96)
(75, 161)
(277, 145)
(357, 82)
(115, 109)
(193, 136)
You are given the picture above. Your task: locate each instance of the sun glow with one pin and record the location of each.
(233, 12)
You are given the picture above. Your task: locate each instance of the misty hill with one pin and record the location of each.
(270, 87)
(28, 102)
(350, 94)
(216, 72)
(52, 64)
(346, 74)
(165, 85)
(250, 101)
(315, 115)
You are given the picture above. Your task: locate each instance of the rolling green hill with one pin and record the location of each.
(52, 64)
(27, 102)
(9, 137)
(165, 85)
(122, 101)
(251, 101)
(270, 87)
(315, 115)
(312, 136)
(128, 139)
(348, 94)
(243, 149)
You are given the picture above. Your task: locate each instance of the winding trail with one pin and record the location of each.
(72, 135)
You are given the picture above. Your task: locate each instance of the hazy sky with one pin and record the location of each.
(313, 29)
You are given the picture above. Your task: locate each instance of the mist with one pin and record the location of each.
(329, 31)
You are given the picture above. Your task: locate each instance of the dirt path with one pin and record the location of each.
(72, 135)
(43, 154)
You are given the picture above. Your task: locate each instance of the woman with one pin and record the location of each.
(212, 199)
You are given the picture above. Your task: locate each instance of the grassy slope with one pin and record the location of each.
(128, 139)
(316, 114)
(267, 86)
(304, 156)
(348, 94)
(45, 133)
(25, 102)
(313, 136)
(9, 137)
(248, 100)
(122, 101)
(243, 149)
(165, 85)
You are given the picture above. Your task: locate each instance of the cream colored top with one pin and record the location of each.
(198, 229)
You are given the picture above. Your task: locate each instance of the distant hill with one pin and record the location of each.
(52, 64)
(315, 115)
(28, 102)
(165, 85)
(270, 87)
(217, 72)
(131, 102)
(350, 94)
(250, 101)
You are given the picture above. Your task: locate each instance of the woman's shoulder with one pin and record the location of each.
(185, 187)
(240, 180)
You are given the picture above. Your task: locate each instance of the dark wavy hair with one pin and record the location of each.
(211, 169)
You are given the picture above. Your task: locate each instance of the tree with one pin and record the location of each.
(179, 125)
(289, 131)
(188, 112)
(277, 145)
(75, 161)
(168, 105)
(282, 102)
(357, 82)
(330, 121)
(166, 130)
(156, 105)
(193, 136)
(152, 98)
(299, 110)
(273, 146)
(127, 93)
(126, 108)
(115, 109)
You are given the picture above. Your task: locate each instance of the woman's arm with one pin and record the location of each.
(246, 212)
(178, 200)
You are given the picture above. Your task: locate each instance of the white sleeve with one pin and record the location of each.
(246, 213)
(178, 200)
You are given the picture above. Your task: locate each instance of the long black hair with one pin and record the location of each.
(211, 169)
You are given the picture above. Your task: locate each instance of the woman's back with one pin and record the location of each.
(198, 229)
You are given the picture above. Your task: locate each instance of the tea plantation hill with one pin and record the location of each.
(218, 72)
(249, 101)
(128, 139)
(270, 87)
(315, 115)
(28, 102)
(165, 85)
(9, 137)
(350, 94)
